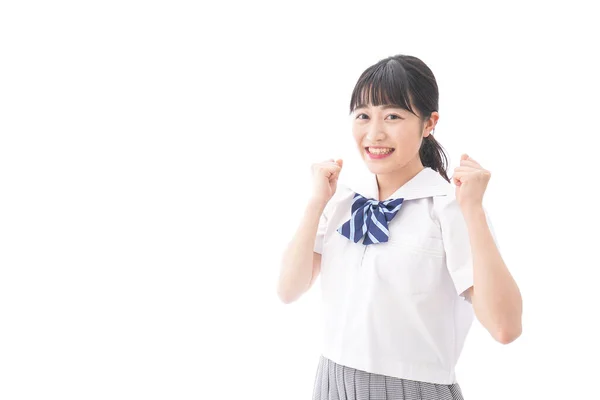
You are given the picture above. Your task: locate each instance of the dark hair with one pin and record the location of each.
(406, 82)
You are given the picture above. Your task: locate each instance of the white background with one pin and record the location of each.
(154, 163)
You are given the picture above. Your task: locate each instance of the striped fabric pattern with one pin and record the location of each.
(338, 382)
(369, 219)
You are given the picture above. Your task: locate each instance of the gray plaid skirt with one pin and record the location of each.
(338, 382)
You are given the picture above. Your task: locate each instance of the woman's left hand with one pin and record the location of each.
(471, 180)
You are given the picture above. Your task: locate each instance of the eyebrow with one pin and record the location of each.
(383, 107)
(388, 106)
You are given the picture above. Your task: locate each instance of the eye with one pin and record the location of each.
(360, 115)
(394, 116)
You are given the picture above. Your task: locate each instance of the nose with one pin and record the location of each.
(375, 132)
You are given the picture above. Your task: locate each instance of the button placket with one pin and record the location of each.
(363, 254)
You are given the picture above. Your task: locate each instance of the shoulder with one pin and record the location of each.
(445, 201)
(448, 212)
(446, 207)
(343, 192)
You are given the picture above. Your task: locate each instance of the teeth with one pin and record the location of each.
(380, 151)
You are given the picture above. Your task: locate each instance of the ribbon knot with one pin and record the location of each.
(369, 219)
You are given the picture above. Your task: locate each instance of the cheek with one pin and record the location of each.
(358, 137)
(407, 141)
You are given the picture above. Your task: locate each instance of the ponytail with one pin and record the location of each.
(434, 156)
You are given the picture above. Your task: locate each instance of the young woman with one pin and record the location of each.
(406, 259)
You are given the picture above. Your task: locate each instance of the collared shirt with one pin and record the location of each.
(398, 308)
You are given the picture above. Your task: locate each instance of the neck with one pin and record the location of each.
(390, 182)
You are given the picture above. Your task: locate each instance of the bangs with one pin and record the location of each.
(382, 84)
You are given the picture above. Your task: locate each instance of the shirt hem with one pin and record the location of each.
(413, 372)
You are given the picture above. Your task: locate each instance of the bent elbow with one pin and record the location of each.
(285, 297)
(286, 294)
(506, 336)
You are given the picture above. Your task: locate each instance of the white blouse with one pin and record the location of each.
(395, 308)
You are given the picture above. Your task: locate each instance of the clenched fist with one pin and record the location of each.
(325, 176)
(471, 180)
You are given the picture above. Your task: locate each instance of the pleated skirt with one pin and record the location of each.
(338, 382)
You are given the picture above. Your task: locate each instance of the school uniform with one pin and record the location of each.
(395, 315)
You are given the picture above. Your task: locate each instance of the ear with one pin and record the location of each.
(431, 123)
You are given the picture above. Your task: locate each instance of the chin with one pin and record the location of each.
(391, 164)
(379, 168)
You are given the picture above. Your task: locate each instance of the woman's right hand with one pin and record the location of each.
(325, 176)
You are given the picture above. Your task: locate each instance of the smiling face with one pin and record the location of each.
(389, 137)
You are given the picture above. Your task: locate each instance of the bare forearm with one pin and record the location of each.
(496, 297)
(297, 264)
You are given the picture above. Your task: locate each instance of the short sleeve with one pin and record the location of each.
(321, 230)
(328, 212)
(457, 246)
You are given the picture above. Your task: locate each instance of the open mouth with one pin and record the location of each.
(379, 152)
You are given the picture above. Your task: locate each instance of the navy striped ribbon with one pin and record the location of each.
(369, 219)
